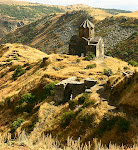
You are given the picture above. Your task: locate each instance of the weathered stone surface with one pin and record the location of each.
(73, 89)
(89, 82)
(68, 89)
(88, 91)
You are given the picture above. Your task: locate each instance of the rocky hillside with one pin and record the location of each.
(127, 49)
(27, 12)
(19, 12)
(27, 97)
(115, 30)
(53, 32)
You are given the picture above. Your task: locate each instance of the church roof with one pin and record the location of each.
(92, 41)
(87, 24)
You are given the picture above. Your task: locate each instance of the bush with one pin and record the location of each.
(83, 98)
(91, 66)
(48, 90)
(89, 57)
(133, 63)
(25, 104)
(65, 120)
(62, 67)
(78, 60)
(18, 72)
(16, 124)
(26, 98)
(8, 60)
(108, 72)
(126, 68)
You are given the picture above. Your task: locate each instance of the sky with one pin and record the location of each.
(117, 4)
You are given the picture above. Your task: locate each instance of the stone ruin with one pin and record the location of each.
(68, 89)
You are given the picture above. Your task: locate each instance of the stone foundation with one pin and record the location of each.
(68, 89)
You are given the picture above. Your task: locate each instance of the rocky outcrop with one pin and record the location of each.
(114, 34)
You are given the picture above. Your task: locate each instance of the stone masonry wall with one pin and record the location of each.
(70, 88)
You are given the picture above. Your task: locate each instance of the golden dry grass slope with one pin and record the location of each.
(88, 120)
(14, 2)
(133, 14)
(16, 54)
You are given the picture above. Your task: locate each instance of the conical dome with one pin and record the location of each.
(87, 24)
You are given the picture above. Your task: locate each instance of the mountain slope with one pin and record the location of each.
(127, 49)
(133, 14)
(53, 32)
(29, 97)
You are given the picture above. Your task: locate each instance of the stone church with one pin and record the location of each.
(86, 43)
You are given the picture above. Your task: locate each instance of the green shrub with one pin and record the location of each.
(16, 124)
(18, 72)
(65, 120)
(16, 58)
(61, 67)
(108, 72)
(25, 104)
(78, 60)
(83, 98)
(126, 68)
(91, 66)
(133, 63)
(8, 60)
(89, 57)
(88, 102)
(26, 98)
(48, 90)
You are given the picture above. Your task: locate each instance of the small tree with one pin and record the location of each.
(16, 124)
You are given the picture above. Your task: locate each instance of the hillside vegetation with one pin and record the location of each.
(53, 32)
(127, 49)
(14, 12)
(116, 11)
(27, 102)
(27, 13)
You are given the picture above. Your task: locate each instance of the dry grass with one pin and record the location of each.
(130, 95)
(25, 142)
(33, 76)
(49, 116)
(133, 14)
(98, 14)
